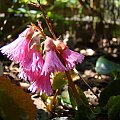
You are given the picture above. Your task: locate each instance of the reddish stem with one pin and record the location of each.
(46, 19)
(70, 82)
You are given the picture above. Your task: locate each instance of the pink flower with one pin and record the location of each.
(31, 70)
(71, 58)
(52, 62)
(23, 74)
(41, 84)
(32, 65)
(33, 60)
(18, 49)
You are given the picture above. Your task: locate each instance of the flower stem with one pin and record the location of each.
(39, 29)
(50, 26)
(73, 88)
(70, 82)
(52, 104)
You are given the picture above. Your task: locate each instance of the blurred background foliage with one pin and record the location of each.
(85, 23)
(91, 27)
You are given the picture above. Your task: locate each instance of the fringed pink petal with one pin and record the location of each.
(18, 49)
(71, 58)
(33, 61)
(42, 84)
(32, 66)
(52, 63)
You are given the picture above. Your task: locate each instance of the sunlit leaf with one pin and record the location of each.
(25, 1)
(65, 98)
(22, 10)
(59, 80)
(10, 10)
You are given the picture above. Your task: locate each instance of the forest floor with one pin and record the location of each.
(87, 70)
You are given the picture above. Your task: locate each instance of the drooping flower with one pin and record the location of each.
(52, 62)
(70, 57)
(18, 49)
(41, 84)
(32, 64)
(23, 74)
(31, 70)
(34, 60)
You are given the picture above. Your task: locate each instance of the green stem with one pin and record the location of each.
(70, 82)
(73, 88)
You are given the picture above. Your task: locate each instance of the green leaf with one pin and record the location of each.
(72, 98)
(25, 1)
(44, 97)
(10, 10)
(22, 10)
(112, 89)
(59, 80)
(104, 66)
(65, 98)
(15, 104)
(84, 113)
(82, 95)
(113, 106)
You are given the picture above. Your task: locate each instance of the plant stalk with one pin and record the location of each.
(47, 21)
(70, 82)
(52, 104)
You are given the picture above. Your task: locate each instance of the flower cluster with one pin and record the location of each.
(36, 67)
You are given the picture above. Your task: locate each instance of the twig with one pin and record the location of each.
(87, 84)
(46, 19)
(71, 83)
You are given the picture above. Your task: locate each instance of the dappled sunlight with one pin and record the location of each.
(62, 59)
